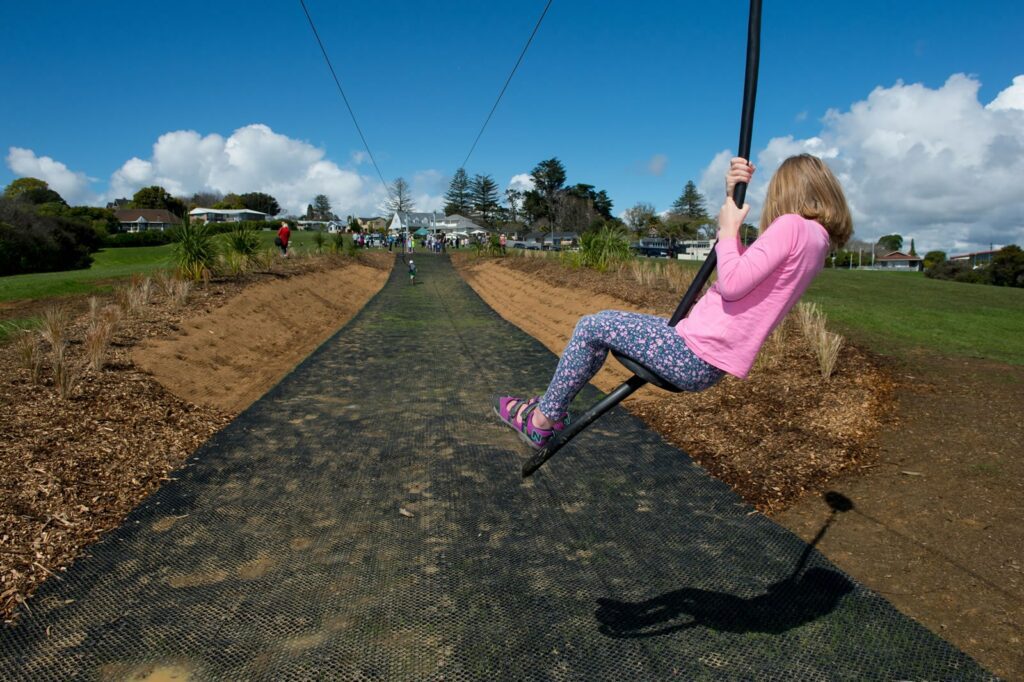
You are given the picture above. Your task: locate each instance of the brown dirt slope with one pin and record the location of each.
(228, 357)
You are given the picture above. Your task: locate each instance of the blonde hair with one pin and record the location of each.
(804, 185)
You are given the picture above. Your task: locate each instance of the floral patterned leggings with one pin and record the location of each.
(645, 338)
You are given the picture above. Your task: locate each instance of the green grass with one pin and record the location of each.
(897, 313)
(108, 264)
(113, 264)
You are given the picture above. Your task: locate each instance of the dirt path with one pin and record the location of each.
(936, 525)
(229, 357)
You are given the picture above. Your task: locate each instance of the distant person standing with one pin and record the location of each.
(412, 272)
(501, 242)
(283, 235)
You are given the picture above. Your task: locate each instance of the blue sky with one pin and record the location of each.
(635, 98)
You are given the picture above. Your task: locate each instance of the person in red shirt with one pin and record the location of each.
(282, 238)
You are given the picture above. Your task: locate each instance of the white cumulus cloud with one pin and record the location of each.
(71, 185)
(521, 181)
(254, 158)
(933, 164)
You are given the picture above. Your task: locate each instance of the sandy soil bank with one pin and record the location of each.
(228, 357)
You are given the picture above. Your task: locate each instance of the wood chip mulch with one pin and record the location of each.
(781, 434)
(71, 470)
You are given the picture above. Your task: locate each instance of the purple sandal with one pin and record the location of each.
(508, 409)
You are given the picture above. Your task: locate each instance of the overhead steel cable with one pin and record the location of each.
(507, 81)
(337, 82)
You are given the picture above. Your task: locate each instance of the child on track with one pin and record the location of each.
(412, 272)
(804, 212)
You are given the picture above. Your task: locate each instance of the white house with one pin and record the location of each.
(143, 219)
(405, 221)
(458, 225)
(225, 215)
(694, 249)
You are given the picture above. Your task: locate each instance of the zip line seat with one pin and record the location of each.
(645, 373)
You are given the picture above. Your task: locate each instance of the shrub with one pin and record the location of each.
(338, 242)
(318, 241)
(31, 242)
(1007, 267)
(147, 238)
(958, 271)
(194, 251)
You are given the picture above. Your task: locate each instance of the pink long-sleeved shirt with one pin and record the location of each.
(755, 289)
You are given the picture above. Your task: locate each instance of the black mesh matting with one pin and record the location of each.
(365, 520)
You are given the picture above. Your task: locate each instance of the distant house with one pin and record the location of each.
(547, 240)
(458, 225)
(316, 225)
(144, 219)
(976, 259)
(897, 260)
(225, 215)
(373, 224)
(407, 221)
(694, 249)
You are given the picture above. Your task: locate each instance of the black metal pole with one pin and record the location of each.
(739, 192)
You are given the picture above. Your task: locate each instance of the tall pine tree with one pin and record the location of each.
(483, 192)
(690, 204)
(457, 197)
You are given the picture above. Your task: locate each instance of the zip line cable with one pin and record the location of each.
(507, 81)
(337, 82)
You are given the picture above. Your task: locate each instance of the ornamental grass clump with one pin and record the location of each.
(605, 247)
(679, 278)
(102, 326)
(140, 290)
(827, 349)
(179, 292)
(28, 353)
(195, 251)
(65, 374)
(164, 282)
(825, 344)
(318, 241)
(232, 263)
(54, 326)
(263, 260)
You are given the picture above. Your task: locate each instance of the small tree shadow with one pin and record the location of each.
(800, 598)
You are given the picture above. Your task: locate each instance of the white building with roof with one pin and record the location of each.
(225, 215)
(408, 221)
